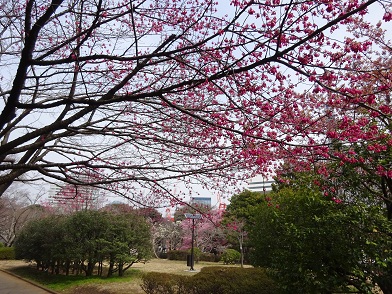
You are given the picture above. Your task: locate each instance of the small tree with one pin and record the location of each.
(128, 240)
(235, 230)
(239, 218)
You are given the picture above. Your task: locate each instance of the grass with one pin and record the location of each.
(62, 283)
(81, 284)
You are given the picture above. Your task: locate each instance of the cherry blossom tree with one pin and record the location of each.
(209, 234)
(139, 94)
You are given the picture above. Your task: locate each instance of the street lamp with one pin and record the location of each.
(192, 217)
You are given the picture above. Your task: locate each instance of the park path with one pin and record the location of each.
(10, 284)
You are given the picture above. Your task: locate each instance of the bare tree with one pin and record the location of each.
(17, 207)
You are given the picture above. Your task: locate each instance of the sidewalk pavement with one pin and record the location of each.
(12, 284)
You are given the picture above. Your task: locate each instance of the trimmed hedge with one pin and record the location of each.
(163, 283)
(212, 280)
(7, 253)
(209, 257)
(177, 254)
(199, 256)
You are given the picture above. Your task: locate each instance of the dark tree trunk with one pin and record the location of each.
(67, 265)
(111, 266)
(90, 269)
(120, 269)
(385, 284)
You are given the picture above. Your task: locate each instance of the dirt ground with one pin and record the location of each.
(154, 265)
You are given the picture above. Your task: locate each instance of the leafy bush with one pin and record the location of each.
(217, 280)
(177, 254)
(162, 283)
(163, 255)
(182, 254)
(7, 253)
(231, 256)
(232, 280)
(209, 257)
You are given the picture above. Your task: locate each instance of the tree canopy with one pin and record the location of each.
(129, 96)
(83, 239)
(316, 245)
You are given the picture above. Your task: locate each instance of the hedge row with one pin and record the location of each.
(217, 280)
(199, 256)
(7, 253)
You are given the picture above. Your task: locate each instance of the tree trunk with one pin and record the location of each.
(111, 266)
(67, 265)
(57, 270)
(120, 269)
(100, 268)
(385, 284)
(90, 269)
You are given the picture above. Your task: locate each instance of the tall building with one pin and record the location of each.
(202, 201)
(260, 184)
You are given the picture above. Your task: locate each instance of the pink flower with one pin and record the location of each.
(387, 16)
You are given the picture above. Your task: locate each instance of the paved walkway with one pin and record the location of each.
(13, 285)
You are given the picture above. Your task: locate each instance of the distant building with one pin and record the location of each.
(69, 198)
(202, 201)
(260, 184)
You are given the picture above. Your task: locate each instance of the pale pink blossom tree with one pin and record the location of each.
(209, 234)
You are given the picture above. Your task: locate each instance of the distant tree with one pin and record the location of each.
(243, 205)
(150, 214)
(118, 208)
(209, 235)
(239, 218)
(179, 213)
(167, 236)
(17, 208)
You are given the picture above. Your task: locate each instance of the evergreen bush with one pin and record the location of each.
(163, 283)
(216, 280)
(177, 254)
(231, 256)
(7, 253)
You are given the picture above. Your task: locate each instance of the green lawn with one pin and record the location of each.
(61, 283)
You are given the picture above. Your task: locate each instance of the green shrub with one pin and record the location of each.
(177, 254)
(211, 280)
(7, 253)
(209, 257)
(231, 256)
(231, 280)
(182, 254)
(163, 283)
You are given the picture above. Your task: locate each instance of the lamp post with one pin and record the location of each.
(192, 217)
